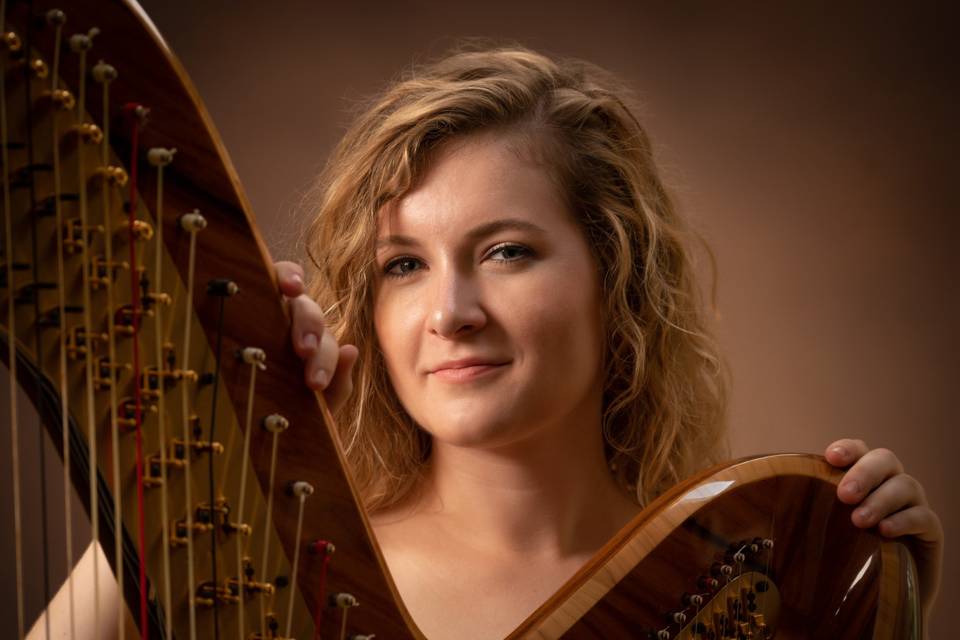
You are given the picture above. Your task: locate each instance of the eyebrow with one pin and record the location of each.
(483, 230)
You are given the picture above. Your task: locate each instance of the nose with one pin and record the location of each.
(456, 308)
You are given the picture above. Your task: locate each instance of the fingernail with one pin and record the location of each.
(309, 341)
(320, 378)
(852, 487)
(840, 451)
(864, 514)
(296, 278)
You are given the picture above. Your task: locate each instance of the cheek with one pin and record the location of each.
(397, 325)
(559, 326)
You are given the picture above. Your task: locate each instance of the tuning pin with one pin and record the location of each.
(39, 68)
(721, 570)
(677, 617)
(223, 287)
(12, 41)
(692, 599)
(301, 489)
(275, 423)
(343, 600)
(322, 546)
(255, 356)
(193, 221)
(707, 583)
(63, 100)
(103, 72)
(160, 157)
(56, 18)
(83, 41)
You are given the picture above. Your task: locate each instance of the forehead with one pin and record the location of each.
(476, 180)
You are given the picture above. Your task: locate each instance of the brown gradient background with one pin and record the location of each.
(814, 146)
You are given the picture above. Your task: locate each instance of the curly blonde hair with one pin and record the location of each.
(665, 383)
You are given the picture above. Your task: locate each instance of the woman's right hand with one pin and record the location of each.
(327, 366)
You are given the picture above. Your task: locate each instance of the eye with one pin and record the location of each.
(509, 252)
(401, 267)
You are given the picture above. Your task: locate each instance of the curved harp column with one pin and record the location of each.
(145, 324)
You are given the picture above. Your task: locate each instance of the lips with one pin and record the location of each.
(466, 369)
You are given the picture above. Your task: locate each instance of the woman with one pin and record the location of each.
(534, 361)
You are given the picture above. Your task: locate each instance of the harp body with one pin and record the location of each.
(247, 553)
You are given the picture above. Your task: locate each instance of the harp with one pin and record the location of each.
(142, 322)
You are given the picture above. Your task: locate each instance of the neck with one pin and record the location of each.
(550, 495)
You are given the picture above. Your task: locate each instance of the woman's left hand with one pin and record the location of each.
(895, 503)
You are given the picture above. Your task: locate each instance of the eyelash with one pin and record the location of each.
(392, 264)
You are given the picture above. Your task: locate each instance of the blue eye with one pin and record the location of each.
(401, 267)
(510, 252)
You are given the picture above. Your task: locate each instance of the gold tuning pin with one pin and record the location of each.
(103, 272)
(90, 133)
(252, 586)
(12, 41)
(107, 373)
(142, 230)
(115, 175)
(154, 381)
(219, 516)
(39, 68)
(198, 446)
(78, 342)
(124, 316)
(127, 412)
(63, 100)
(152, 473)
(76, 235)
(178, 533)
(207, 591)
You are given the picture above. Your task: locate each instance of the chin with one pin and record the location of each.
(461, 427)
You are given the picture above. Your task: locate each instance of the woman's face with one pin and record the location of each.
(487, 304)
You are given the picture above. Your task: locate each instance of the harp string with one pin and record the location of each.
(80, 44)
(160, 158)
(35, 288)
(214, 531)
(104, 74)
(192, 222)
(136, 113)
(266, 522)
(302, 490)
(11, 335)
(57, 19)
(255, 357)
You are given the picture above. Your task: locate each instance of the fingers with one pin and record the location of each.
(893, 495)
(290, 278)
(868, 473)
(308, 327)
(919, 521)
(321, 364)
(843, 453)
(341, 386)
